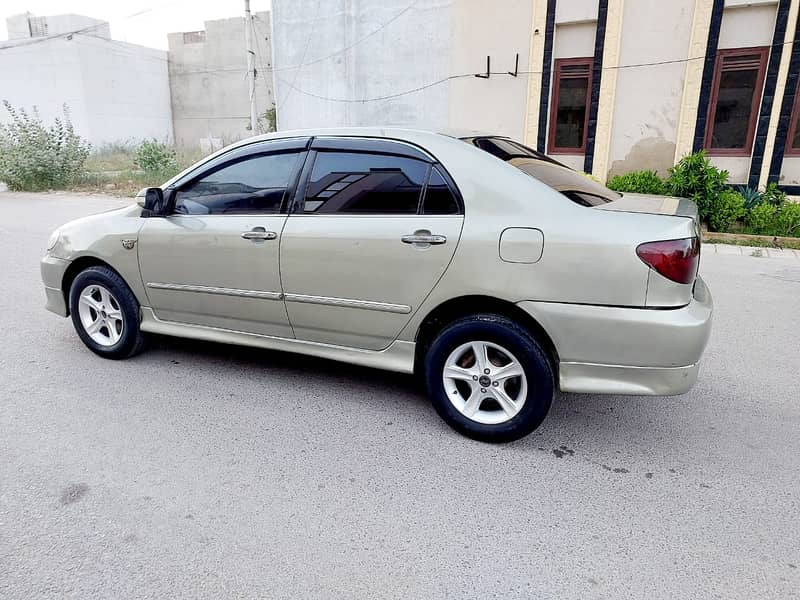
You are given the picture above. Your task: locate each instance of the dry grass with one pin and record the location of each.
(111, 170)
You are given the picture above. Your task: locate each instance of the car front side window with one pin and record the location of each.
(252, 185)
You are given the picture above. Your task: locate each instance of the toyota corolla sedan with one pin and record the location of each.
(493, 272)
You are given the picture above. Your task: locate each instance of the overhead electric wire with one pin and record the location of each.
(303, 57)
(260, 57)
(353, 45)
(292, 84)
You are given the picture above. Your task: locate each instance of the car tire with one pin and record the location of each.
(484, 398)
(105, 313)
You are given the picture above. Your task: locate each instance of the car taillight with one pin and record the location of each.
(674, 259)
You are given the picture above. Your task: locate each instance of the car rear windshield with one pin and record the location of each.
(576, 186)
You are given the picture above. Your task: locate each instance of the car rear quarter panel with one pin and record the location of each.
(589, 256)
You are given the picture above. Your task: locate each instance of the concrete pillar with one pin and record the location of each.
(539, 22)
(693, 78)
(608, 89)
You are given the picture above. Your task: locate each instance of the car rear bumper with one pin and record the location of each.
(617, 350)
(53, 269)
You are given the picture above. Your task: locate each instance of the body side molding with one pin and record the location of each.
(399, 356)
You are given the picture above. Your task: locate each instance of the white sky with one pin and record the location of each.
(150, 28)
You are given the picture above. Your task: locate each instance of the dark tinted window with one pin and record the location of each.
(350, 182)
(256, 184)
(439, 199)
(507, 149)
(576, 186)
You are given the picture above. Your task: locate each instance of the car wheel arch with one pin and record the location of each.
(464, 306)
(77, 266)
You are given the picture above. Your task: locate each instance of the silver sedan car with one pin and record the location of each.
(493, 272)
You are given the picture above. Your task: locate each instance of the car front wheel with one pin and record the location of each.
(489, 379)
(105, 313)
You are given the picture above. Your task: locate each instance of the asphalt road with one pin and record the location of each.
(200, 470)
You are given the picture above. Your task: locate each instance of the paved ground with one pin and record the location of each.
(198, 470)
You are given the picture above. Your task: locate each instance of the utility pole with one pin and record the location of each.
(251, 68)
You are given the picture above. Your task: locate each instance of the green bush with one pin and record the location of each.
(726, 208)
(787, 221)
(153, 157)
(761, 219)
(35, 156)
(772, 195)
(638, 182)
(696, 178)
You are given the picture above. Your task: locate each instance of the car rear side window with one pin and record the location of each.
(364, 183)
(439, 198)
(254, 185)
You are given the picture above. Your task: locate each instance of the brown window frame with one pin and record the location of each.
(558, 65)
(763, 51)
(789, 151)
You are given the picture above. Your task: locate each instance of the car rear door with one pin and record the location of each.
(374, 227)
(214, 260)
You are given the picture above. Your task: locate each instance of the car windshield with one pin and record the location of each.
(576, 186)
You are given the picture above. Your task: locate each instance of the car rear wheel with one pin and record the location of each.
(105, 313)
(489, 379)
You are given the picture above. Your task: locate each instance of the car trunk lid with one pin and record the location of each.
(655, 205)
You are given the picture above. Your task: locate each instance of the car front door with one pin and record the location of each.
(373, 229)
(214, 260)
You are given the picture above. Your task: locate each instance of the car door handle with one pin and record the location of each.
(423, 238)
(259, 233)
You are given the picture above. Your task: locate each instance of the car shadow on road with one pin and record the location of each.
(585, 421)
(308, 367)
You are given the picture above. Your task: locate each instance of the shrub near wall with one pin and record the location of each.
(638, 182)
(35, 156)
(696, 178)
(723, 209)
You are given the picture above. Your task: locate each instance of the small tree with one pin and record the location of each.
(35, 156)
(271, 118)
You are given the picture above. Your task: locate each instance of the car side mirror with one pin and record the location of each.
(152, 201)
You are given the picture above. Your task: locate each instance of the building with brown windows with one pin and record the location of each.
(609, 86)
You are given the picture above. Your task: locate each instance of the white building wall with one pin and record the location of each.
(495, 105)
(381, 62)
(24, 25)
(648, 98)
(46, 76)
(126, 90)
(349, 52)
(115, 91)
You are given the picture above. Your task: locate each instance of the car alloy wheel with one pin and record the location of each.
(485, 382)
(101, 315)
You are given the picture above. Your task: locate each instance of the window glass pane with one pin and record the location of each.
(575, 186)
(351, 182)
(734, 108)
(439, 199)
(571, 112)
(795, 135)
(253, 185)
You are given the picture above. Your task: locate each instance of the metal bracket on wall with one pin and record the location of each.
(488, 70)
(516, 67)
